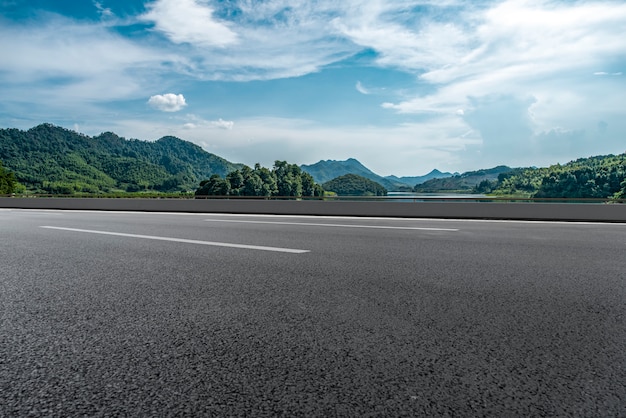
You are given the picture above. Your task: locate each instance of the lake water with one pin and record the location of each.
(399, 196)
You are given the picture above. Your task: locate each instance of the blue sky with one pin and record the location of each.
(404, 86)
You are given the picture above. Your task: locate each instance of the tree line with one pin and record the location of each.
(593, 177)
(283, 179)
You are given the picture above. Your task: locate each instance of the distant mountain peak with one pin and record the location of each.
(327, 170)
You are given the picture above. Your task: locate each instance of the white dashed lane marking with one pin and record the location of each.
(182, 240)
(410, 228)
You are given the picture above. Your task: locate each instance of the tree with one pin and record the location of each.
(215, 186)
(288, 178)
(7, 181)
(235, 180)
(309, 188)
(485, 186)
(622, 193)
(270, 186)
(252, 185)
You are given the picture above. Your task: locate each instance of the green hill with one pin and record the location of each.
(461, 183)
(324, 171)
(593, 177)
(51, 159)
(354, 185)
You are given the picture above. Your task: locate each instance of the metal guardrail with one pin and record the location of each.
(421, 199)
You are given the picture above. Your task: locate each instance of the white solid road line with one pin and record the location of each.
(186, 241)
(335, 225)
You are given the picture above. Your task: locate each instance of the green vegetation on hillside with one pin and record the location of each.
(50, 159)
(593, 177)
(7, 181)
(283, 179)
(353, 185)
(462, 183)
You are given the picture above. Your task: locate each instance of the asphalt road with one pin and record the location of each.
(135, 314)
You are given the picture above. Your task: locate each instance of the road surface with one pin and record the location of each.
(137, 314)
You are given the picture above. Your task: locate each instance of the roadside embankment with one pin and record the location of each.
(447, 209)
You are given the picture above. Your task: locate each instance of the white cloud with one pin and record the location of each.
(533, 58)
(515, 49)
(261, 41)
(58, 61)
(602, 73)
(169, 102)
(447, 42)
(223, 124)
(505, 47)
(197, 123)
(189, 21)
(63, 48)
(105, 12)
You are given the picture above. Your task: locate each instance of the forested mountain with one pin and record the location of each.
(593, 177)
(461, 183)
(326, 170)
(52, 159)
(354, 185)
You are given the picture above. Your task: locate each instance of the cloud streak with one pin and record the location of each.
(223, 124)
(253, 40)
(361, 89)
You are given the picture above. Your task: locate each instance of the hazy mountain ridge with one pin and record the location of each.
(327, 170)
(412, 181)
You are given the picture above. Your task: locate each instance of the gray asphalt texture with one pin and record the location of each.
(489, 319)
